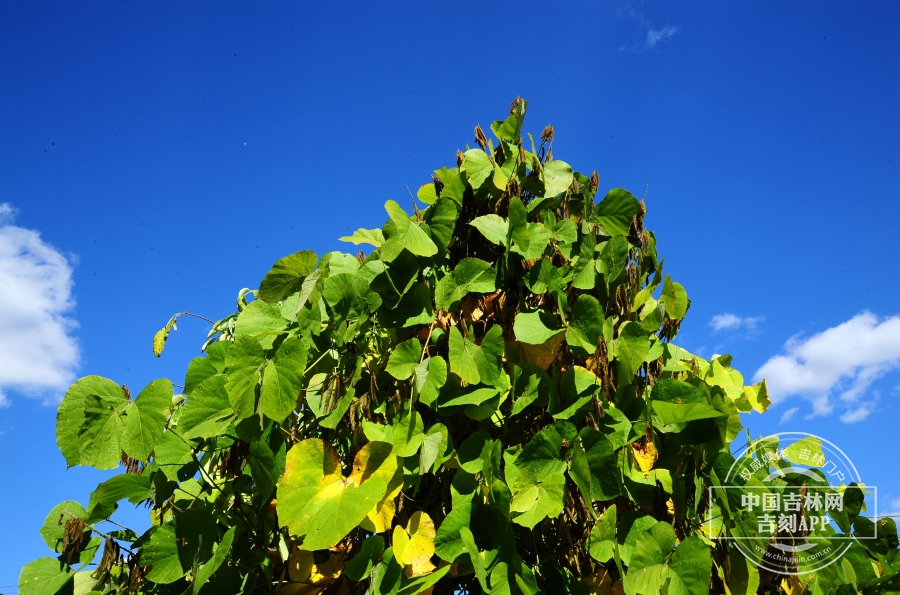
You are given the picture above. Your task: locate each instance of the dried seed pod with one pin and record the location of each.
(480, 138)
(547, 134)
(459, 158)
(595, 181)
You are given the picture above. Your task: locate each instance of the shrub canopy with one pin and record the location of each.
(488, 401)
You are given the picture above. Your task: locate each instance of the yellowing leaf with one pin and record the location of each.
(758, 396)
(644, 454)
(542, 355)
(316, 502)
(414, 546)
(378, 456)
(300, 564)
(159, 340)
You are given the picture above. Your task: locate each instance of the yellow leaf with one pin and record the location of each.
(644, 453)
(375, 459)
(414, 546)
(758, 396)
(542, 355)
(159, 340)
(300, 564)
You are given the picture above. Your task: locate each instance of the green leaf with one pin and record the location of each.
(205, 572)
(146, 418)
(99, 440)
(46, 576)
(441, 221)
(492, 227)
(242, 365)
(130, 485)
(475, 556)
(462, 361)
(478, 167)
(404, 359)
(469, 455)
(557, 177)
(360, 567)
(585, 324)
(408, 434)
(70, 416)
(286, 276)
(173, 545)
(427, 193)
(207, 412)
(263, 467)
(543, 277)
(260, 318)
(536, 327)
(402, 233)
(692, 563)
(675, 299)
(474, 275)
(283, 380)
(511, 128)
(616, 211)
(431, 375)
(171, 454)
(54, 525)
(199, 369)
(601, 544)
(365, 236)
(600, 455)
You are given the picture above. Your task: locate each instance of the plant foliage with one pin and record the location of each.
(489, 401)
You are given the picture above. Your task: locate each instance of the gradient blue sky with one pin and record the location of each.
(168, 153)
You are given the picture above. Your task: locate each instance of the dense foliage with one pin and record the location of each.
(488, 401)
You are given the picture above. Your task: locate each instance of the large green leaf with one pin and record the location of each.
(174, 545)
(536, 327)
(478, 167)
(616, 211)
(585, 324)
(70, 414)
(54, 525)
(208, 411)
(675, 298)
(462, 360)
(46, 576)
(403, 233)
(99, 440)
(287, 275)
(283, 380)
(557, 177)
(243, 364)
(493, 227)
(145, 419)
(404, 359)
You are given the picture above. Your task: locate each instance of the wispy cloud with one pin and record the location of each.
(654, 36)
(732, 322)
(38, 354)
(843, 360)
(788, 415)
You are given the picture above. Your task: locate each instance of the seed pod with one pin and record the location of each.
(547, 134)
(480, 138)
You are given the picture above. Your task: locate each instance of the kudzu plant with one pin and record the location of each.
(488, 401)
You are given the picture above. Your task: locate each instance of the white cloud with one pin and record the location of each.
(731, 322)
(845, 359)
(788, 415)
(38, 354)
(654, 36)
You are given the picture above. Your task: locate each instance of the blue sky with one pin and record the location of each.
(158, 157)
